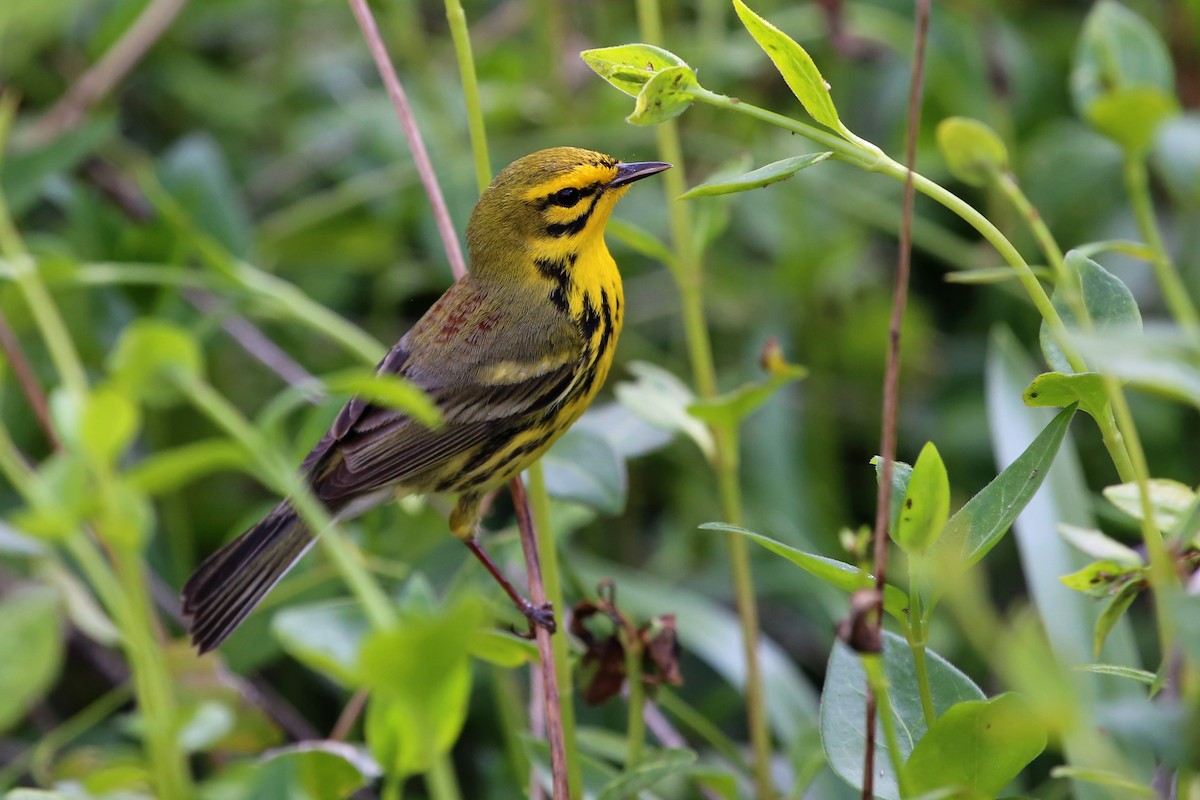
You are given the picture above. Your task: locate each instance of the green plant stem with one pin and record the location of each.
(128, 603)
(274, 470)
(871, 158)
(916, 642)
(1137, 183)
(689, 277)
(507, 696)
(635, 734)
(1117, 427)
(440, 781)
(466, 68)
(877, 679)
(539, 502)
(1009, 187)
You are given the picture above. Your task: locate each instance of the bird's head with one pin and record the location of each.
(547, 202)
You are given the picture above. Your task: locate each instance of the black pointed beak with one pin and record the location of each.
(635, 171)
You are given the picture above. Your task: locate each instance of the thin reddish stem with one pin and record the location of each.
(891, 381)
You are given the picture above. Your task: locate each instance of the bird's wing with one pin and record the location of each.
(483, 360)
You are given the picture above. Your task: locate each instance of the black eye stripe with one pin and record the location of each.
(570, 196)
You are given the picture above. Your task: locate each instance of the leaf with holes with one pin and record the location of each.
(629, 67)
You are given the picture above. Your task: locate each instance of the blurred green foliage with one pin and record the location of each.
(252, 150)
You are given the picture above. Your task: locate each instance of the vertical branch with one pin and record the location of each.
(370, 31)
(689, 279)
(891, 384)
(537, 592)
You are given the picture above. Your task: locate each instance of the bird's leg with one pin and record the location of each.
(464, 523)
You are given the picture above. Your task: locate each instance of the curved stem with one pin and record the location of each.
(1137, 182)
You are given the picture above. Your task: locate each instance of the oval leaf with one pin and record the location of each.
(152, 358)
(796, 66)
(978, 745)
(1118, 49)
(583, 466)
(1109, 303)
(1132, 116)
(843, 708)
(926, 504)
(972, 151)
(648, 773)
(1169, 499)
(1056, 390)
(758, 178)
(629, 67)
(665, 96)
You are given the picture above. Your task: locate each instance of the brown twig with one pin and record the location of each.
(349, 715)
(107, 72)
(537, 592)
(891, 385)
(366, 22)
(27, 381)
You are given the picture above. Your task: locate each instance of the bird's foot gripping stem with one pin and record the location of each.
(539, 616)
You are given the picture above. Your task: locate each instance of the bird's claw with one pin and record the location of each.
(538, 617)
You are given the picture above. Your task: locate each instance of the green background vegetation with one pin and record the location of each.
(253, 150)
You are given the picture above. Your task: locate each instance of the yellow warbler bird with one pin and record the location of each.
(512, 354)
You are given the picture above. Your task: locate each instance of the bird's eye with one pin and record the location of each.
(566, 197)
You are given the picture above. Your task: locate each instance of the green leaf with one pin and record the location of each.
(836, 573)
(30, 628)
(1140, 675)
(647, 773)
(23, 174)
(629, 67)
(152, 358)
(977, 745)
(1162, 360)
(979, 524)
(843, 708)
(1169, 499)
(1117, 51)
(503, 649)
(318, 769)
(973, 152)
(387, 390)
(1109, 303)
(758, 178)
(1058, 390)
(1116, 606)
(1132, 116)
(420, 675)
(583, 466)
(326, 637)
(1098, 546)
(665, 96)
(170, 470)
(989, 275)
(1101, 578)
(109, 424)
(640, 240)
(729, 409)
(101, 423)
(81, 606)
(796, 66)
(662, 399)
(926, 505)
(901, 475)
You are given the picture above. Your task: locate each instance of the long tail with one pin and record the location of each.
(232, 581)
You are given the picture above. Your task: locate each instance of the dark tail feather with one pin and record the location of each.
(232, 581)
